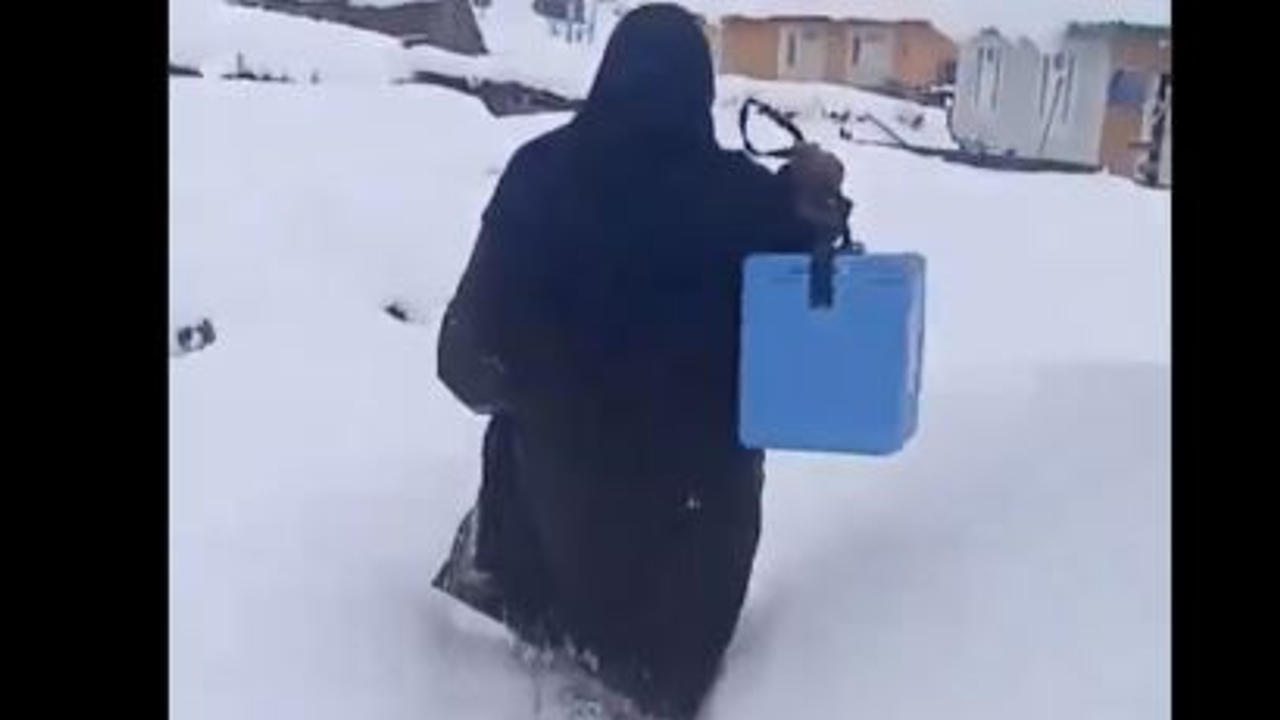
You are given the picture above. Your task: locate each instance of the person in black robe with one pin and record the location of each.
(597, 324)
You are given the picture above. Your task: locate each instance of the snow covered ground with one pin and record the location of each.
(209, 35)
(1012, 563)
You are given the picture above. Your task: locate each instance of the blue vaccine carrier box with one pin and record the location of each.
(841, 374)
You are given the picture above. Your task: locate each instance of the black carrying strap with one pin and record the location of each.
(822, 270)
(822, 259)
(775, 115)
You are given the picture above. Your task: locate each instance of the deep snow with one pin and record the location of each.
(1013, 562)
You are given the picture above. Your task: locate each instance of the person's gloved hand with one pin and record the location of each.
(815, 177)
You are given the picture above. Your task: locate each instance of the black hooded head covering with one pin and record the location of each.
(655, 82)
